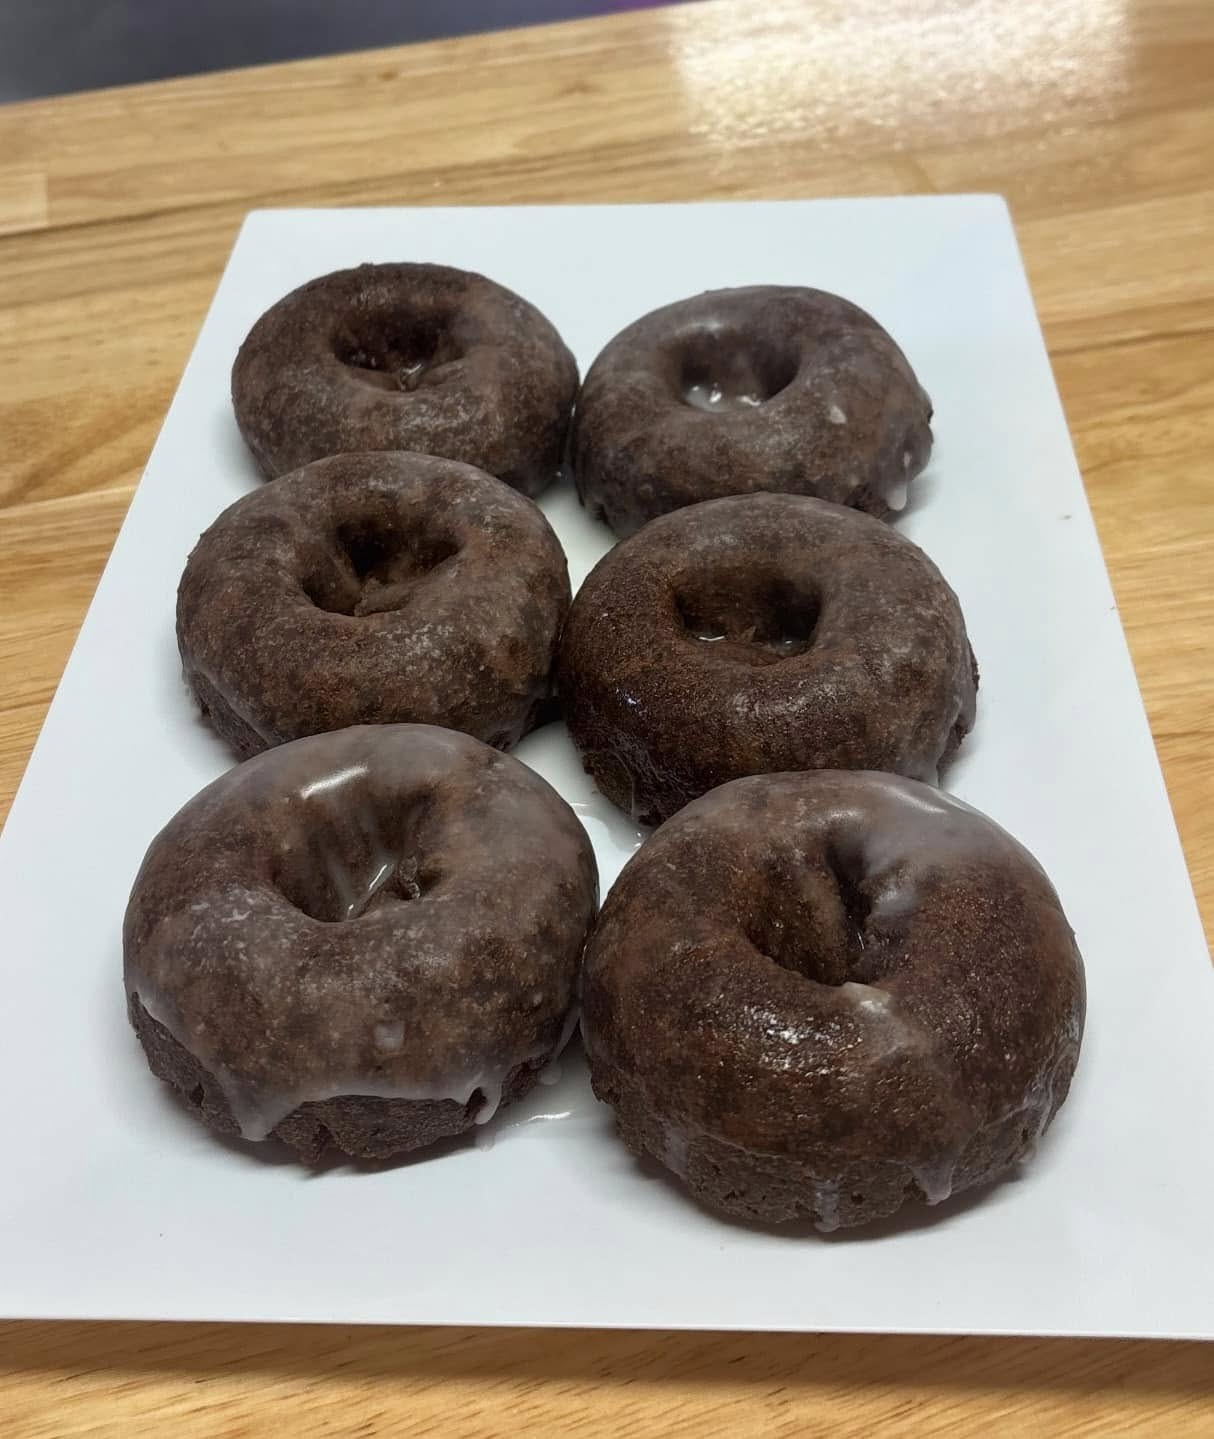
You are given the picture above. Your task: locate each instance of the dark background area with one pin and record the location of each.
(48, 47)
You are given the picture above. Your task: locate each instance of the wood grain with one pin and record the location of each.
(117, 210)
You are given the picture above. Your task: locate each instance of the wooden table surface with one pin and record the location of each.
(117, 210)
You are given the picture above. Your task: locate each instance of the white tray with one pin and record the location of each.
(114, 1202)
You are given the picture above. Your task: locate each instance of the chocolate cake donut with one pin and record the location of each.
(823, 995)
(407, 357)
(770, 387)
(366, 589)
(757, 634)
(367, 939)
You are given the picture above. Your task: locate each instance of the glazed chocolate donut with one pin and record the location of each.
(770, 387)
(368, 939)
(367, 589)
(822, 995)
(407, 357)
(757, 634)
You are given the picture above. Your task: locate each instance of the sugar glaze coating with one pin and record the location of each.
(756, 634)
(407, 357)
(767, 387)
(819, 996)
(368, 939)
(371, 589)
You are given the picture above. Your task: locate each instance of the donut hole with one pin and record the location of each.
(856, 906)
(722, 371)
(378, 567)
(391, 358)
(345, 853)
(814, 920)
(747, 619)
(335, 888)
